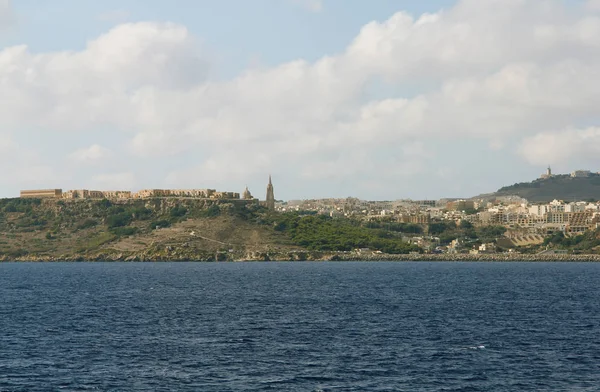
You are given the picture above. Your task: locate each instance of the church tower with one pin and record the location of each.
(270, 196)
(548, 174)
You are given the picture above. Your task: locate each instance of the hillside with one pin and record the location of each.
(170, 229)
(561, 187)
(175, 229)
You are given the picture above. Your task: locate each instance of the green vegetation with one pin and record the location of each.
(118, 220)
(160, 224)
(585, 242)
(395, 226)
(124, 231)
(211, 212)
(322, 233)
(441, 227)
(179, 211)
(86, 224)
(95, 241)
(449, 231)
(19, 205)
(81, 228)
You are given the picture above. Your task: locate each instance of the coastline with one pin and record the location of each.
(307, 256)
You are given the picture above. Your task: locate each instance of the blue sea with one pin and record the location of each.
(299, 326)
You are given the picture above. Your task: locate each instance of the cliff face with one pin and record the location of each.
(154, 229)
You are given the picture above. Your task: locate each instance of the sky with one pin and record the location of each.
(380, 100)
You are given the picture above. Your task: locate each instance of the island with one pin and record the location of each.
(211, 225)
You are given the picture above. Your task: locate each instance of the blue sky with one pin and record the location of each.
(335, 98)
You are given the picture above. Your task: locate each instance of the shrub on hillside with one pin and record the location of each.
(160, 224)
(211, 211)
(178, 211)
(118, 220)
(124, 231)
(86, 224)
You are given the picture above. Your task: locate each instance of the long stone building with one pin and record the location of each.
(122, 195)
(42, 193)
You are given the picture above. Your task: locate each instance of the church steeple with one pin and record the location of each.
(270, 195)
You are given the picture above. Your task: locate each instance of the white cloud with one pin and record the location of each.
(24, 167)
(222, 169)
(500, 71)
(310, 5)
(7, 145)
(593, 4)
(7, 16)
(92, 154)
(582, 145)
(101, 84)
(113, 181)
(35, 175)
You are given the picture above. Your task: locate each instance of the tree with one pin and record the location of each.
(465, 225)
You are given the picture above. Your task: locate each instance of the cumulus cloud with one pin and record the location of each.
(101, 84)
(113, 181)
(454, 76)
(24, 167)
(582, 145)
(92, 154)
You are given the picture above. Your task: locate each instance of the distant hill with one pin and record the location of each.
(151, 229)
(180, 229)
(561, 187)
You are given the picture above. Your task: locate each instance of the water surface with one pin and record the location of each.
(300, 326)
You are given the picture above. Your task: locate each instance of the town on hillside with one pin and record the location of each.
(523, 224)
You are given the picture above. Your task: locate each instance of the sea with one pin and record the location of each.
(300, 326)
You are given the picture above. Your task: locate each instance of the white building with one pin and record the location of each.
(576, 207)
(539, 210)
(581, 173)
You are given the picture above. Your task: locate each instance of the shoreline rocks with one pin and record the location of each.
(304, 256)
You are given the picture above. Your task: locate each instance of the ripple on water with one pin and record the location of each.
(299, 327)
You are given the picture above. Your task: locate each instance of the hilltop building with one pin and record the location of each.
(42, 193)
(83, 194)
(124, 195)
(581, 173)
(548, 174)
(247, 195)
(270, 196)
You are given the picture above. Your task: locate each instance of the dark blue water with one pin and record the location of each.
(300, 327)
